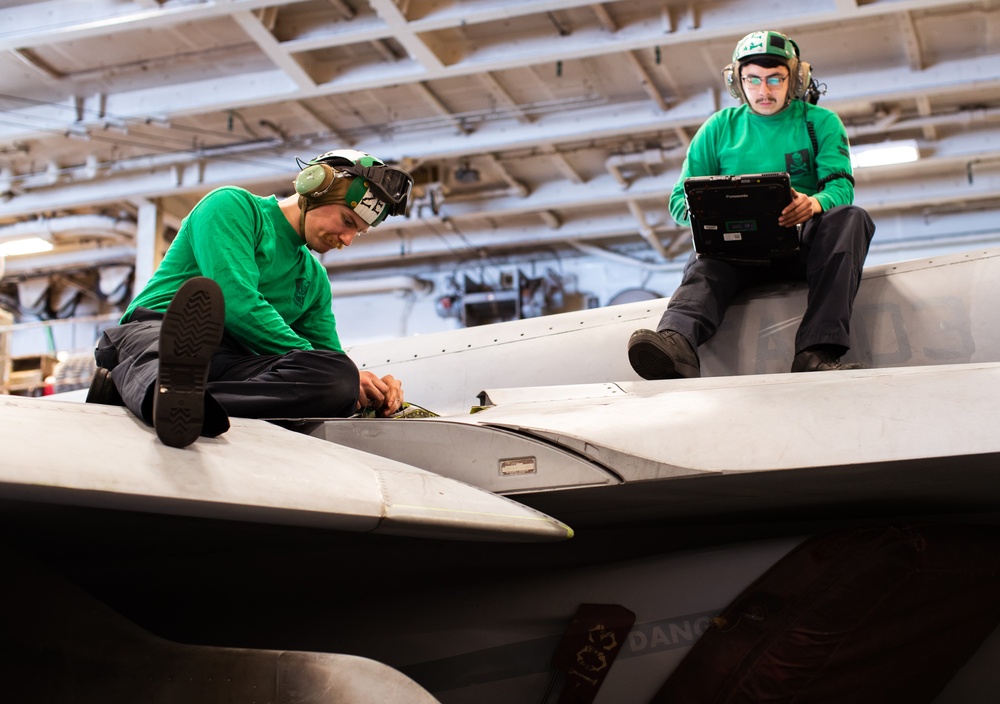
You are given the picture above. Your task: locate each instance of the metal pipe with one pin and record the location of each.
(387, 284)
(72, 225)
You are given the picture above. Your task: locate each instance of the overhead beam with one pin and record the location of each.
(911, 42)
(494, 86)
(562, 164)
(587, 123)
(402, 32)
(646, 81)
(27, 26)
(270, 46)
(260, 88)
(31, 60)
(440, 108)
(490, 138)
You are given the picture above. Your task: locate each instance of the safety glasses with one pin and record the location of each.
(391, 184)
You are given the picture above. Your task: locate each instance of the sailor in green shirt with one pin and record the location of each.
(238, 320)
(776, 128)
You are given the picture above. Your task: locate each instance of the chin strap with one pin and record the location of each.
(303, 207)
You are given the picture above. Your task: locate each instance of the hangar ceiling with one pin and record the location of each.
(531, 125)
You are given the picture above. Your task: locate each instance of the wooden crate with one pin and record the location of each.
(28, 373)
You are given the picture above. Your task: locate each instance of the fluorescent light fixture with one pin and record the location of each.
(901, 152)
(27, 245)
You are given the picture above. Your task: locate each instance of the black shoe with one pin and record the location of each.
(191, 331)
(103, 389)
(820, 359)
(662, 355)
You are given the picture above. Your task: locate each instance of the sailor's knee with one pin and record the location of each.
(852, 220)
(330, 382)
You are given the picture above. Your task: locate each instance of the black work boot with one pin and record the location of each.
(821, 358)
(662, 355)
(103, 390)
(190, 333)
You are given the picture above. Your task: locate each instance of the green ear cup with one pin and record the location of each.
(314, 180)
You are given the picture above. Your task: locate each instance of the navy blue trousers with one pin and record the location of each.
(834, 247)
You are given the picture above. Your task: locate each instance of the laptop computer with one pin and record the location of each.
(736, 217)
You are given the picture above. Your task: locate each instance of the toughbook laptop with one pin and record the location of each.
(736, 217)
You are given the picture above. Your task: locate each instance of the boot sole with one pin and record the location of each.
(191, 331)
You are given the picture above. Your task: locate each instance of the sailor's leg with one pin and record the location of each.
(693, 315)
(835, 244)
(697, 307)
(298, 384)
(132, 354)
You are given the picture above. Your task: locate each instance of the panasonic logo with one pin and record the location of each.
(739, 195)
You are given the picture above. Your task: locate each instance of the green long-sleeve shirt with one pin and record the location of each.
(737, 141)
(277, 293)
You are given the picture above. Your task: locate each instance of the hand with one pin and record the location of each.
(385, 394)
(799, 210)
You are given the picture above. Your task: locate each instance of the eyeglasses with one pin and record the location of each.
(771, 81)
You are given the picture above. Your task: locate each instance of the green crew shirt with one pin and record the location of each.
(737, 141)
(277, 293)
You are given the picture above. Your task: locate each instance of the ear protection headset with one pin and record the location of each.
(762, 44)
(314, 180)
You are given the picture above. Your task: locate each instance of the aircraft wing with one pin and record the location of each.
(907, 314)
(102, 456)
(840, 441)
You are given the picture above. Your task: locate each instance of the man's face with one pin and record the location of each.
(765, 88)
(332, 226)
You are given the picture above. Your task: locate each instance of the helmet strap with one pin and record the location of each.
(303, 207)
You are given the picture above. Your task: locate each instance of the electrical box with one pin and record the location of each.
(483, 304)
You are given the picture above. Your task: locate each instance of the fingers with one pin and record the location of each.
(369, 393)
(385, 394)
(798, 211)
(392, 399)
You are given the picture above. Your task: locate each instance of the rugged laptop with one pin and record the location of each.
(736, 217)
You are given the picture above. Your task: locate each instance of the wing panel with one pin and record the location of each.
(102, 456)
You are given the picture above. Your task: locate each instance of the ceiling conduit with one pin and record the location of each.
(624, 259)
(85, 258)
(890, 124)
(386, 284)
(616, 163)
(71, 226)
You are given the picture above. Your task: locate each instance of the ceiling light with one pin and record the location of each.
(885, 153)
(27, 245)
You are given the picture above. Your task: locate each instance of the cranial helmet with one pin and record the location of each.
(765, 44)
(374, 191)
